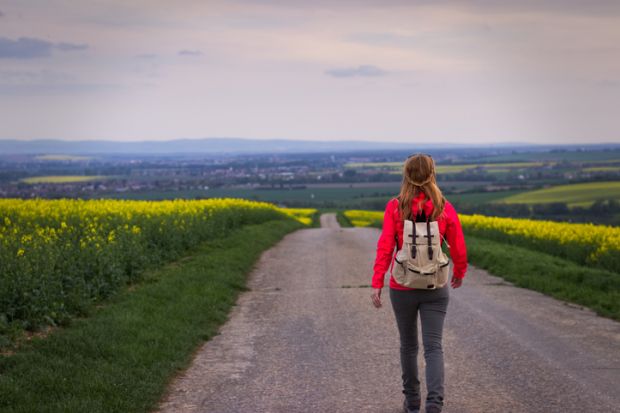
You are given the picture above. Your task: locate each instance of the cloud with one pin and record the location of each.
(30, 47)
(359, 71)
(146, 56)
(68, 47)
(1, 13)
(185, 52)
(24, 48)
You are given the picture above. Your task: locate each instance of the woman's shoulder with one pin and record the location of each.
(449, 210)
(392, 205)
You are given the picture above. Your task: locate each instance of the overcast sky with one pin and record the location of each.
(484, 71)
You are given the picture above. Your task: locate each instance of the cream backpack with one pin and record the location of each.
(421, 263)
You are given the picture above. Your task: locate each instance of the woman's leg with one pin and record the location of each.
(405, 306)
(432, 313)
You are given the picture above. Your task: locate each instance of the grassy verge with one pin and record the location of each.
(342, 219)
(122, 357)
(316, 219)
(594, 288)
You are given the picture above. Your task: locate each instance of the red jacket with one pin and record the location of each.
(449, 227)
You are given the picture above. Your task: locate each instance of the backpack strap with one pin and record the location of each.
(414, 239)
(443, 239)
(429, 236)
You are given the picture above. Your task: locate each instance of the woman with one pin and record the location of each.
(421, 197)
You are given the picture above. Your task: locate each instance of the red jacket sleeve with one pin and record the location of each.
(456, 240)
(385, 247)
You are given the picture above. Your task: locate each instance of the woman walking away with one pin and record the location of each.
(420, 200)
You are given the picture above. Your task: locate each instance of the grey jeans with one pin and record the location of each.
(432, 305)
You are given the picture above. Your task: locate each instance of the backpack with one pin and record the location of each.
(421, 263)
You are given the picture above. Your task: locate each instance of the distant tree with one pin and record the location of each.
(553, 208)
(350, 173)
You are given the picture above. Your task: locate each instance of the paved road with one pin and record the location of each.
(305, 338)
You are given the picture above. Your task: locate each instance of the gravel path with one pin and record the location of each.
(306, 338)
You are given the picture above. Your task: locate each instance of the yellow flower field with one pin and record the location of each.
(303, 215)
(57, 255)
(587, 244)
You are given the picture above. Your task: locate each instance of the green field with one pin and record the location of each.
(310, 195)
(341, 196)
(481, 197)
(583, 194)
(62, 179)
(570, 156)
(602, 169)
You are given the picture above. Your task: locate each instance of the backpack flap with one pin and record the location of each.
(421, 263)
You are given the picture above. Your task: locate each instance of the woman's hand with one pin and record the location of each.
(456, 282)
(376, 297)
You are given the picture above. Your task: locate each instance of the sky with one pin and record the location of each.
(431, 71)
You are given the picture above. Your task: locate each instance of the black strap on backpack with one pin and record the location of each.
(421, 216)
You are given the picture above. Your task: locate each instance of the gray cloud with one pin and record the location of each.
(24, 48)
(361, 71)
(190, 53)
(146, 56)
(68, 47)
(1, 13)
(30, 47)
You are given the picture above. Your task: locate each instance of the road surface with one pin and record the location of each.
(306, 338)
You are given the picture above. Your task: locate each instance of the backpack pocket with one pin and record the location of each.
(400, 260)
(427, 277)
(443, 272)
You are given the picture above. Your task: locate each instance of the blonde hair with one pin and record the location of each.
(419, 175)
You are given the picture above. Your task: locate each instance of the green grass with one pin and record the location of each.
(562, 279)
(122, 357)
(582, 194)
(342, 219)
(62, 179)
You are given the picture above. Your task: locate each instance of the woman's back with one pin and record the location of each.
(392, 236)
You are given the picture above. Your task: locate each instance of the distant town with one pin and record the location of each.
(584, 182)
